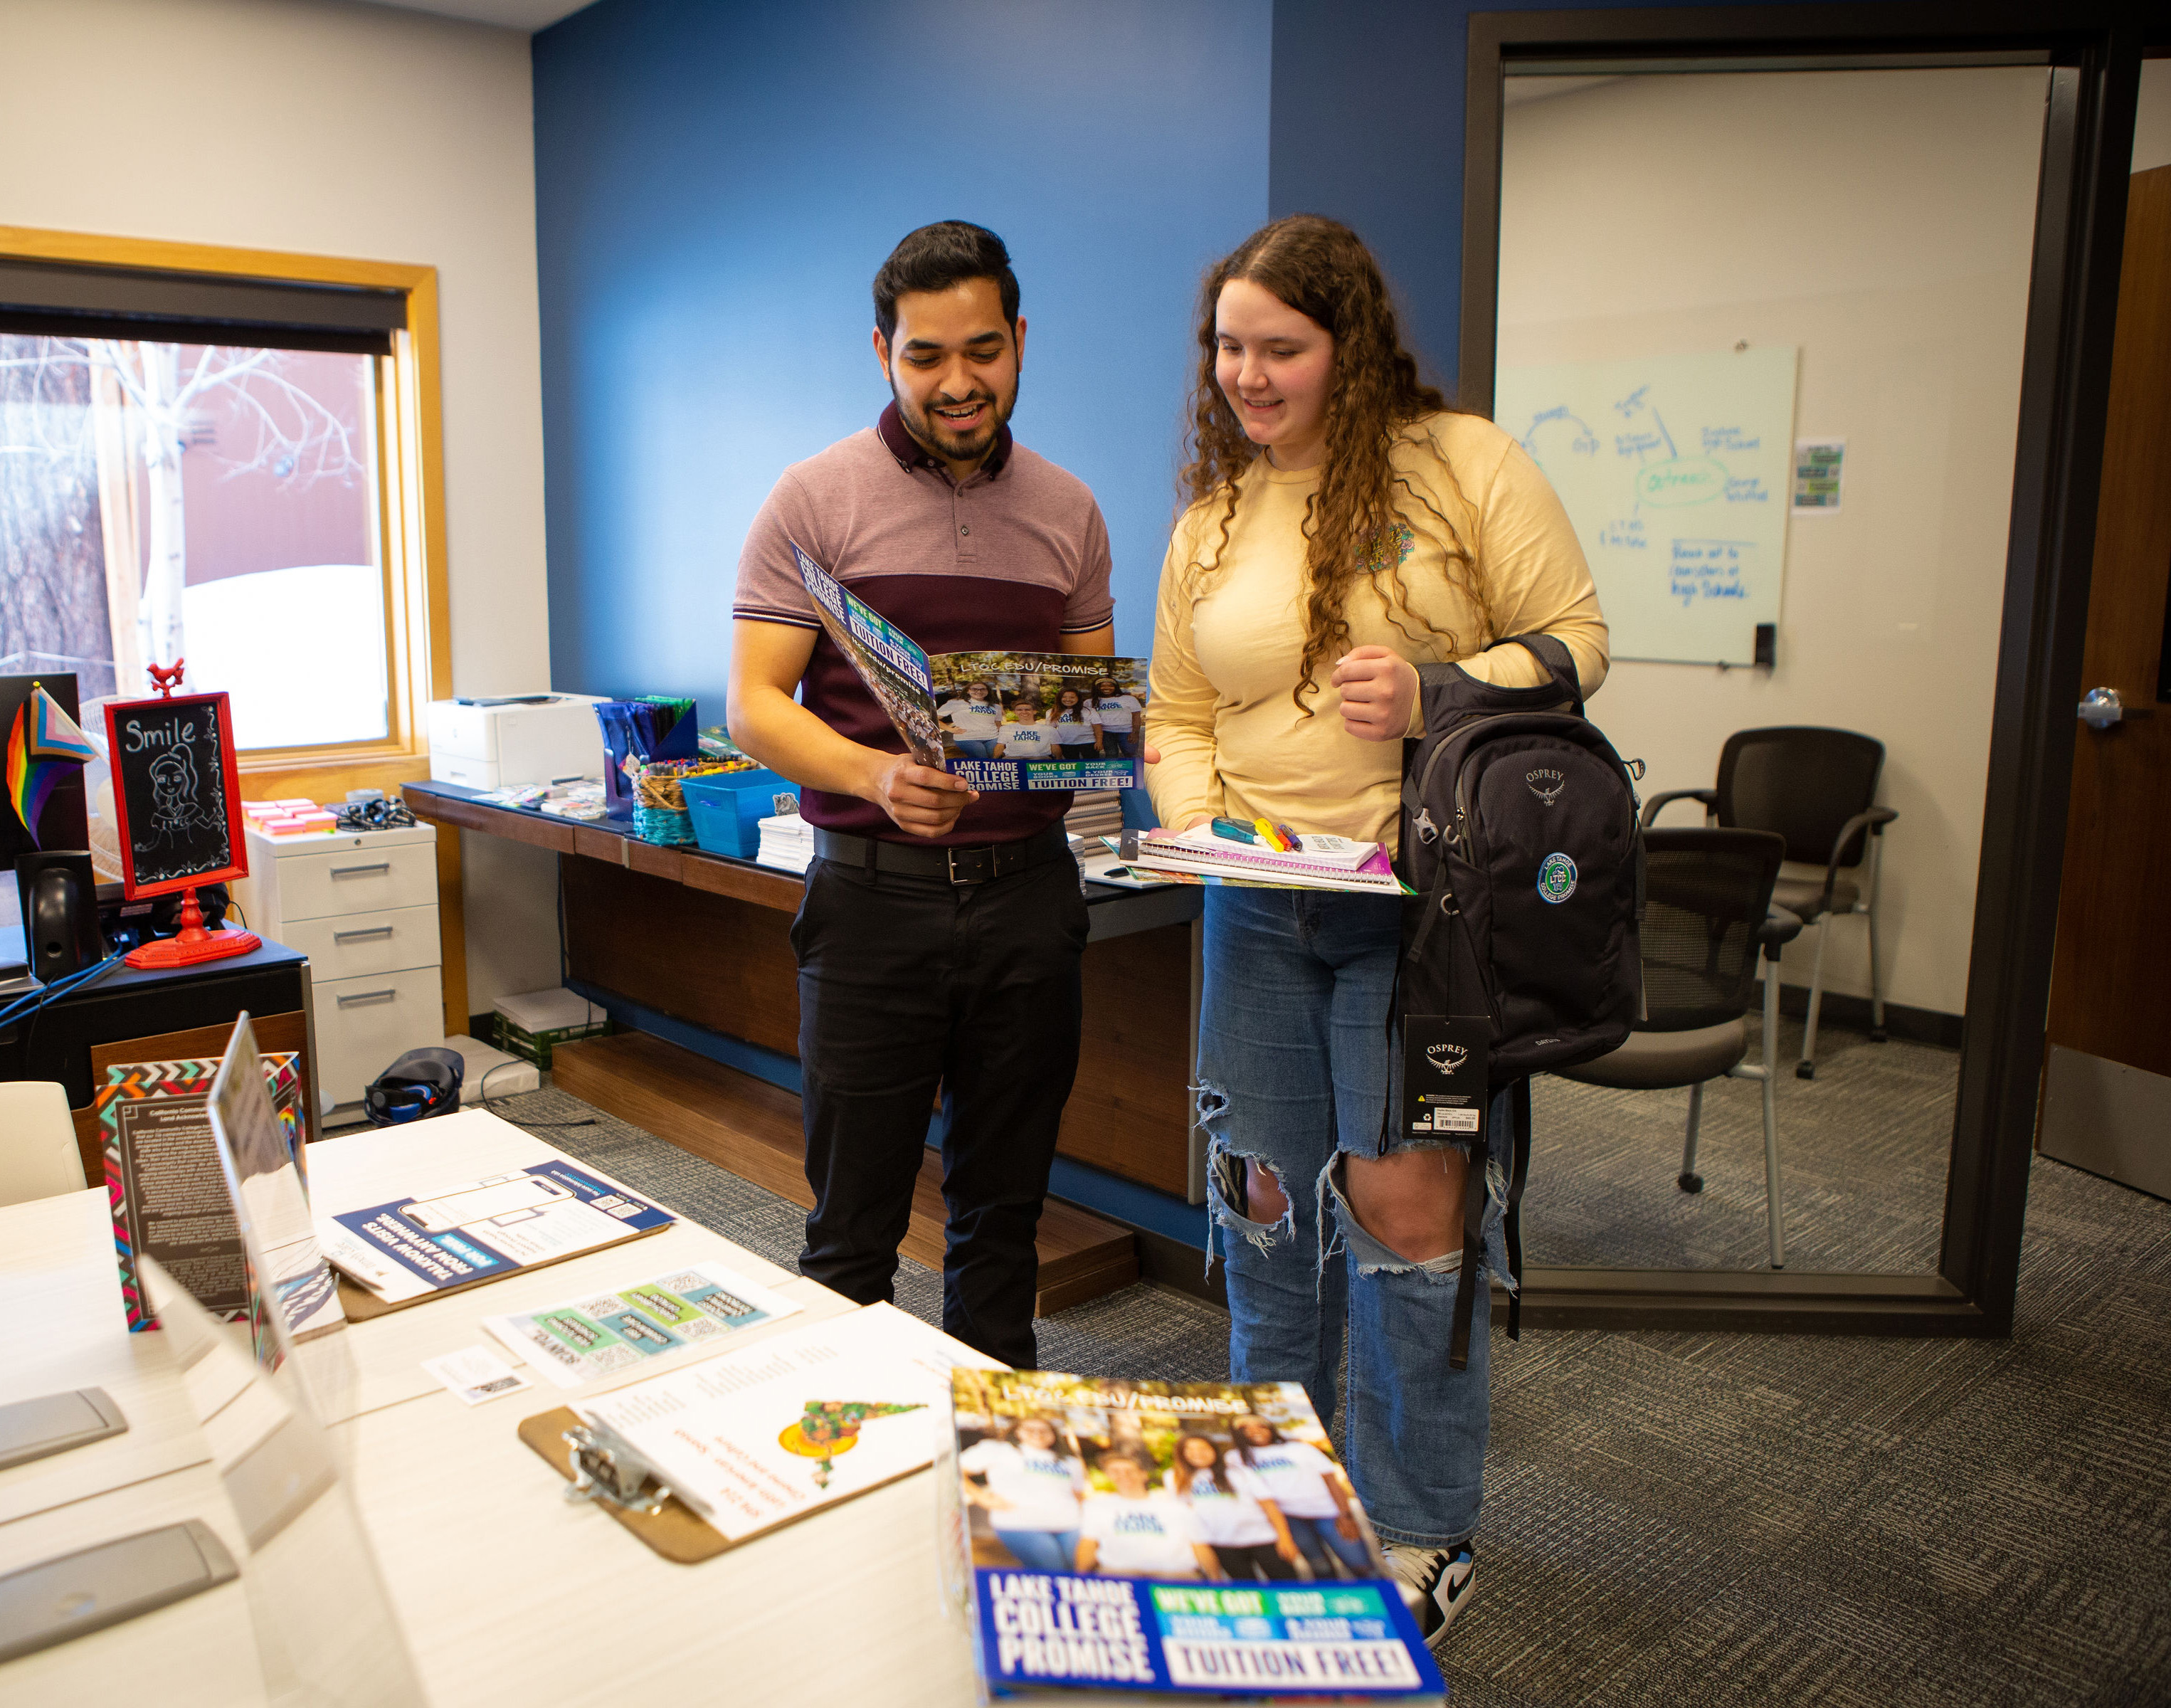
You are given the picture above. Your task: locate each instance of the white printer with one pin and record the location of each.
(507, 740)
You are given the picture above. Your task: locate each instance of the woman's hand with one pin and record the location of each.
(1379, 692)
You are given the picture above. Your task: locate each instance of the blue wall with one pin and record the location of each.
(717, 181)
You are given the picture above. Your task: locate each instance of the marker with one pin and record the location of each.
(1269, 836)
(1234, 831)
(1289, 836)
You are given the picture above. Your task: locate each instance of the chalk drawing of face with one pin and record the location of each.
(174, 810)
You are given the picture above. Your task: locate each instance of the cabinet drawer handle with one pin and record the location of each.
(356, 871)
(349, 936)
(348, 1000)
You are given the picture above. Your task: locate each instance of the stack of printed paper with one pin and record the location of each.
(787, 843)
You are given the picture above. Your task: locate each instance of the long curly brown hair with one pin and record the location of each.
(1355, 521)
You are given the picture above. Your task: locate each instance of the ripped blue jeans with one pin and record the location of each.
(1294, 1070)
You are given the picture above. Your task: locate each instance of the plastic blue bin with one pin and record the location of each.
(728, 808)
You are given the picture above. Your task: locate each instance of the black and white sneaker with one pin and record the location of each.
(1436, 1582)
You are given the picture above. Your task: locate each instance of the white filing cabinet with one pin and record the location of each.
(363, 907)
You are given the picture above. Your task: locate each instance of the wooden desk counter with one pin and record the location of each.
(705, 940)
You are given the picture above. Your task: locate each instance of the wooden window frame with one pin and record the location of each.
(409, 458)
(411, 531)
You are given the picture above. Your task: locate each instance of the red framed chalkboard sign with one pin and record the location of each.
(177, 807)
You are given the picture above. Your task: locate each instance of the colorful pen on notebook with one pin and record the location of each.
(1269, 836)
(1289, 836)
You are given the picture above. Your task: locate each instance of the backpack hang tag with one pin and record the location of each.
(1443, 1074)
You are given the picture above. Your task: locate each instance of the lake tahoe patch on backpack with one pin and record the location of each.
(1557, 877)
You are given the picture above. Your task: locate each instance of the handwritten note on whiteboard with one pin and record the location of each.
(1675, 471)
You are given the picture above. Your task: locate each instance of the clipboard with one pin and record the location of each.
(362, 1305)
(675, 1529)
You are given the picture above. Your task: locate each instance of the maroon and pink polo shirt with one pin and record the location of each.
(1009, 559)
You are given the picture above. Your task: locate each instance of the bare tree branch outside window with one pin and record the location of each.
(52, 602)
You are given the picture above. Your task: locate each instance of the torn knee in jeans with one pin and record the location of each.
(1419, 1234)
(1245, 1192)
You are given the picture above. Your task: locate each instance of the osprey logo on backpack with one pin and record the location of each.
(1446, 1057)
(1546, 785)
(1557, 877)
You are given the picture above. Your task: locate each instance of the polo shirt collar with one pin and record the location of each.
(911, 454)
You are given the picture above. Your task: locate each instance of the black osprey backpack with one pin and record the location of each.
(1519, 836)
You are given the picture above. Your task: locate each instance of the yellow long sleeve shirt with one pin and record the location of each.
(1229, 636)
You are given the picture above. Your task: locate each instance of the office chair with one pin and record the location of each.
(1817, 788)
(1708, 916)
(38, 1154)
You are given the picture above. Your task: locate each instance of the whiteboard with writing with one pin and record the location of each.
(1674, 469)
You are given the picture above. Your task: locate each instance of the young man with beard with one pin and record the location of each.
(934, 915)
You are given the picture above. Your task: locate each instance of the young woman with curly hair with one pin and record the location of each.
(1344, 525)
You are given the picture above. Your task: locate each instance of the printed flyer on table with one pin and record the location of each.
(414, 1246)
(604, 1332)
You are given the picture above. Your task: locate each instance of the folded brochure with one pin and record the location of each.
(759, 1436)
(1006, 723)
(1192, 1539)
(484, 1230)
(602, 1334)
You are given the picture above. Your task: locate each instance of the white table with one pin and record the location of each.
(197, 1653)
(508, 1593)
(60, 1297)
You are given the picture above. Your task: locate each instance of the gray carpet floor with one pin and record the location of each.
(1721, 1520)
(1863, 1154)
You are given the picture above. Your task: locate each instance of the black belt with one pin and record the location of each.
(977, 864)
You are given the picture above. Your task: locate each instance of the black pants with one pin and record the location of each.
(1238, 1562)
(905, 983)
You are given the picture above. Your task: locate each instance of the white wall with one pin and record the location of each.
(1881, 222)
(345, 130)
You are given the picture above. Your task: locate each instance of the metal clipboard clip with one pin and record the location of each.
(608, 1471)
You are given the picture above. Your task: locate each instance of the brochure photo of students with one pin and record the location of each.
(1206, 1481)
(1114, 707)
(972, 718)
(1132, 1529)
(1027, 1479)
(1041, 710)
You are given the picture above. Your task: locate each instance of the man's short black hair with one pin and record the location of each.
(937, 256)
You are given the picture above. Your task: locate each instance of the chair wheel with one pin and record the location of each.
(1878, 1034)
(1805, 1070)
(1692, 1183)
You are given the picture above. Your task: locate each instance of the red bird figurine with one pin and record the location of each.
(166, 678)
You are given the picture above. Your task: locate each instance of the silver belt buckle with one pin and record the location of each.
(982, 859)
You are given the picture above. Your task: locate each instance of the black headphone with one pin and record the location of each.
(383, 813)
(419, 1084)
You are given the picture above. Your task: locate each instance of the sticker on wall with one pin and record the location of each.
(1817, 463)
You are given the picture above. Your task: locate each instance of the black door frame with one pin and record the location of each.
(2093, 51)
